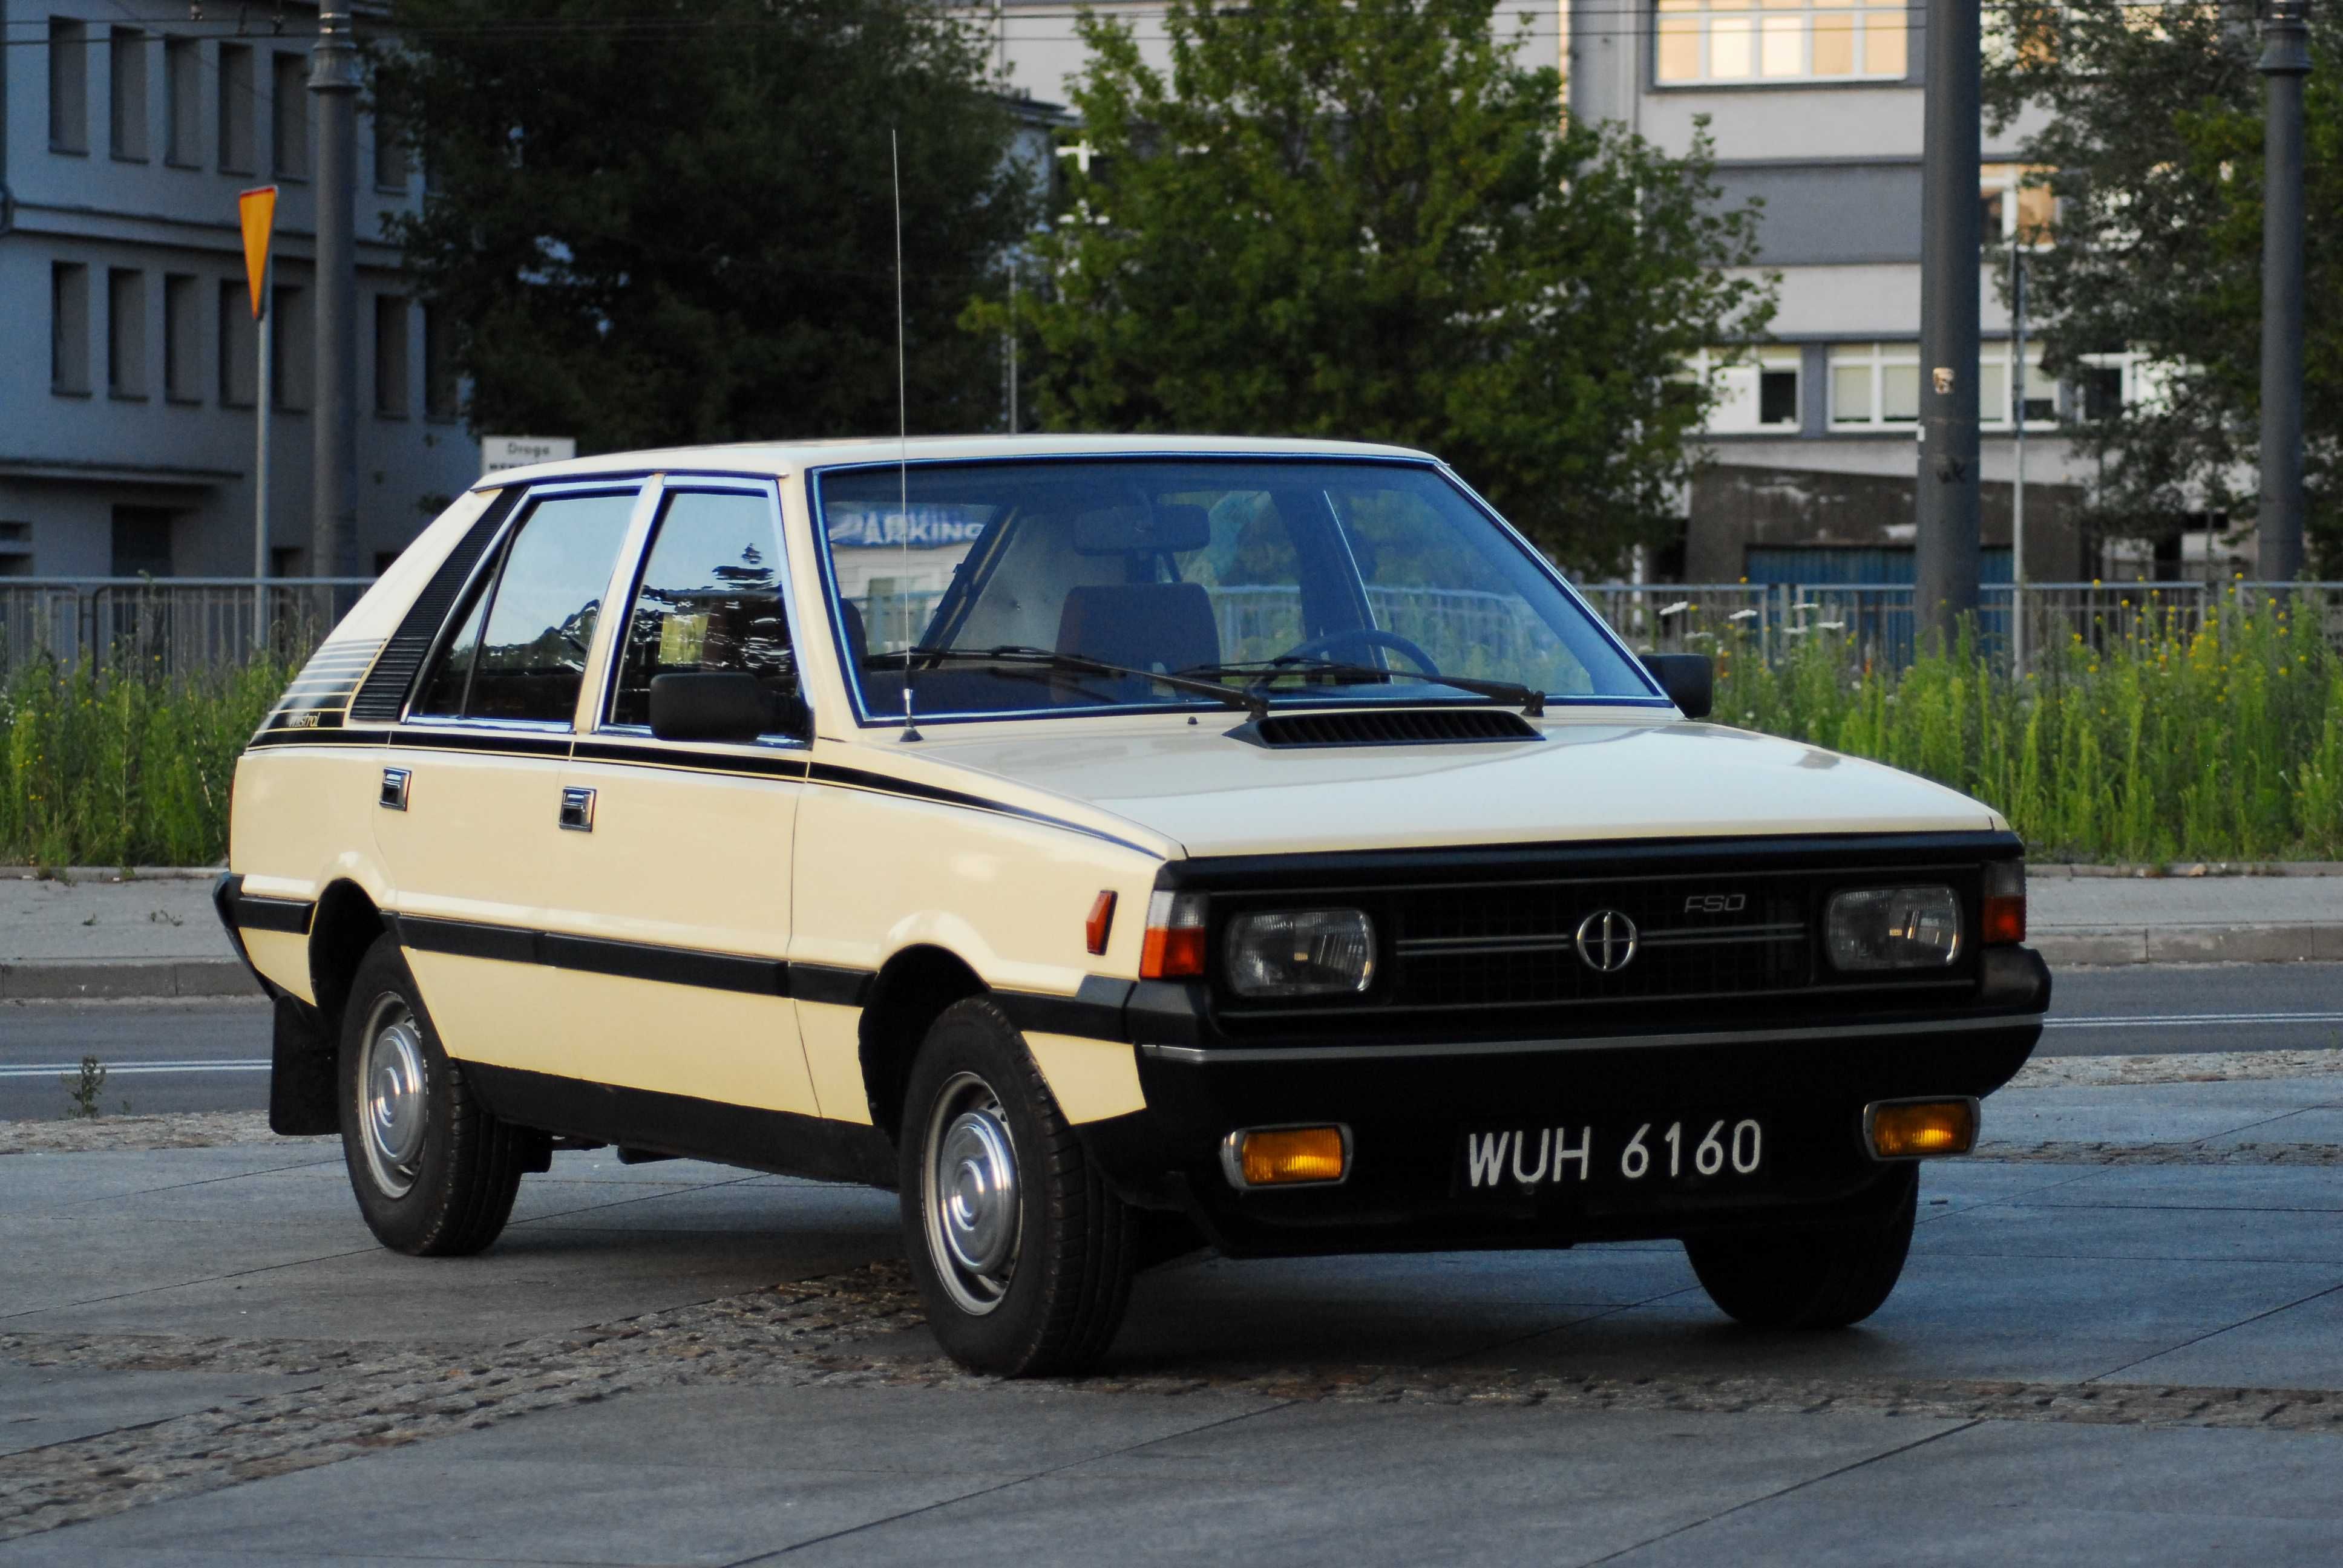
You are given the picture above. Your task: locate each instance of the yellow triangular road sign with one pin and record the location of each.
(258, 208)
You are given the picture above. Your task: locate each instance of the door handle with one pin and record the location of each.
(394, 788)
(577, 809)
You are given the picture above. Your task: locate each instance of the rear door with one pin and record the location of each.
(469, 820)
(674, 866)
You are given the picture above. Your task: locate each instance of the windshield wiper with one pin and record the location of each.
(1026, 660)
(1531, 701)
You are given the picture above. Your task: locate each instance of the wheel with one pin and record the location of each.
(435, 1173)
(1823, 1277)
(1022, 1253)
(1362, 636)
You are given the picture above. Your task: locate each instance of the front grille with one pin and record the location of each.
(1501, 952)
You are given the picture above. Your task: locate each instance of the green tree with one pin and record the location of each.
(1366, 218)
(2152, 145)
(655, 223)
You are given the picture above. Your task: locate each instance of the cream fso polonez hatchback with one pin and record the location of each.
(1115, 847)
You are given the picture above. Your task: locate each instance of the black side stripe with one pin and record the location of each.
(596, 955)
(881, 783)
(1093, 1012)
(761, 767)
(253, 912)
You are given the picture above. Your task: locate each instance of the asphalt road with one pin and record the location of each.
(213, 1055)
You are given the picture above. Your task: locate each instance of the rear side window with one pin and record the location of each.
(520, 649)
(711, 600)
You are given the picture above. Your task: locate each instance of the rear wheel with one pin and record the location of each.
(1022, 1253)
(1818, 1277)
(435, 1173)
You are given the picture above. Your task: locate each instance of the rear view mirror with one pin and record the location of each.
(1126, 530)
(1688, 679)
(720, 705)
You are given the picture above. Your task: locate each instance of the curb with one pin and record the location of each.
(70, 980)
(2251, 944)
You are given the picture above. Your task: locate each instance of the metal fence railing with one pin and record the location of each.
(167, 625)
(181, 625)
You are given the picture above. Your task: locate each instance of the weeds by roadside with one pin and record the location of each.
(83, 1088)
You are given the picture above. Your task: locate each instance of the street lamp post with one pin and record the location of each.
(2286, 61)
(1951, 140)
(333, 82)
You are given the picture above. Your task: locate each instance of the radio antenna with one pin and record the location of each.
(902, 440)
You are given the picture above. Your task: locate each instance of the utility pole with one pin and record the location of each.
(2018, 427)
(1951, 141)
(333, 82)
(2286, 61)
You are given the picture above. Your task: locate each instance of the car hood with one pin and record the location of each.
(1585, 779)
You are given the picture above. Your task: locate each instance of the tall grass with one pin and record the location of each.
(123, 767)
(2160, 739)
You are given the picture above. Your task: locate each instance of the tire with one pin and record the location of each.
(1030, 1284)
(1815, 1277)
(435, 1173)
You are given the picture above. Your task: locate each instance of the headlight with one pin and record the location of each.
(1894, 928)
(1301, 952)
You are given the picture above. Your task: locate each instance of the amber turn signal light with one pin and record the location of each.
(1920, 1129)
(2004, 902)
(1101, 924)
(1174, 947)
(1276, 1156)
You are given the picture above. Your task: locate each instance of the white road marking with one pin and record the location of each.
(2191, 1020)
(136, 1068)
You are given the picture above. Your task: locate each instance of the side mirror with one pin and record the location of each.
(1688, 679)
(720, 705)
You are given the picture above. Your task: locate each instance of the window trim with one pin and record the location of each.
(492, 563)
(835, 615)
(626, 586)
(1876, 423)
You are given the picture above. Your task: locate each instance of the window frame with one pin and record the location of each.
(834, 614)
(1755, 12)
(1764, 358)
(626, 586)
(1881, 353)
(485, 578)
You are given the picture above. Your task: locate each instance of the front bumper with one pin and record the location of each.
(1411, 1108)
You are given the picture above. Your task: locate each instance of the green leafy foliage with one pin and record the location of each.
(648, 225)
(2152, 145)
(1364, 220)
(123, 767)
(2157, 738)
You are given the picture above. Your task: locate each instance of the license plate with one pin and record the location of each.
(1703, 1149)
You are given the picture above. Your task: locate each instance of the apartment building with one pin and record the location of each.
(130, 367)
(1816, 107)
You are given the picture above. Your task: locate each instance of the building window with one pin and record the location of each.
(126, 66)
(2107, 384)
(1779, 41)
(239, 347)
(1994, 388)
(236, 96)
(69, 328)
(390, 356)
(290, 360)
(288, 116)
(2015, 207)
(439, 394)
(126, 332)
(17, 549)
(68, 86)
(1874, 384)
(142, 542)
(1757, 389)
(182, 343)
(391, 168)
(183, 89)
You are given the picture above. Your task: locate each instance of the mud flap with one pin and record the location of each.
(302, 1073)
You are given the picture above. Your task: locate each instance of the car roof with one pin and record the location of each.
(767, 459)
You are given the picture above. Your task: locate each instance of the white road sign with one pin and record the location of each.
(499, 453)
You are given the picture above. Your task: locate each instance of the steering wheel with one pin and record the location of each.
(1362, 636)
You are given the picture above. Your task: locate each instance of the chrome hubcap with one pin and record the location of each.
(391, 1090)
(971, 1194)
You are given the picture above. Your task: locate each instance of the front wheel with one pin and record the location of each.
(1022, 1253)
(434, 1172)
(1825, 1277)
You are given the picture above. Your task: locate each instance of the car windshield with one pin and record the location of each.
(1057, 586)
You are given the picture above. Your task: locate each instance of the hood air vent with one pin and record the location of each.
(1386, 727)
